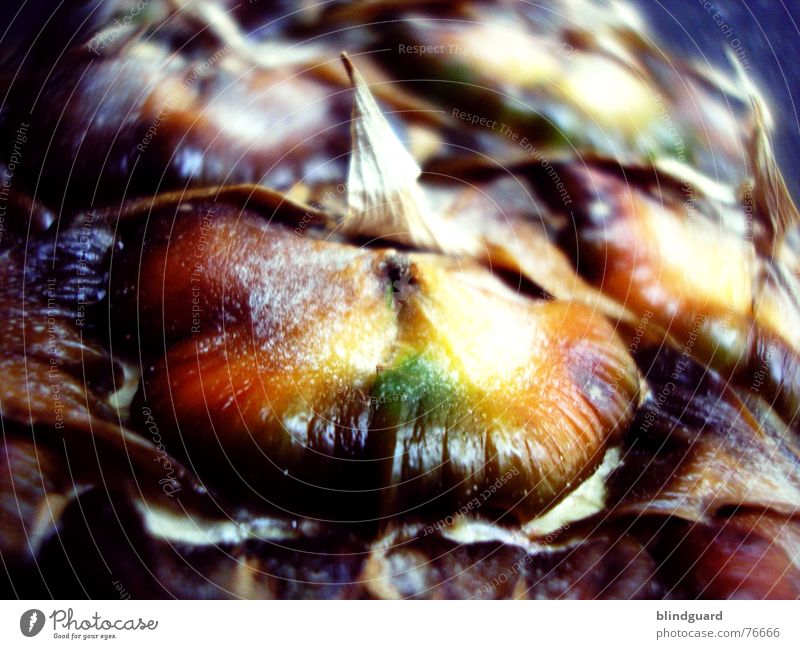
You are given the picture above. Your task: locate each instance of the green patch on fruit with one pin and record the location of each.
(459, 72)
(415, 386)
(389, 296)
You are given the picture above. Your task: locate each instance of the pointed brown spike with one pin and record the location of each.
(772, 201)
(384, 197)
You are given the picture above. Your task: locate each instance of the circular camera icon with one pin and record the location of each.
(31, 622)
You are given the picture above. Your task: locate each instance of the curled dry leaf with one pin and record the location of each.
(695, 449)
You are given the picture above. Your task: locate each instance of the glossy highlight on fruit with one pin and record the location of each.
(300, 357)
(382, 299)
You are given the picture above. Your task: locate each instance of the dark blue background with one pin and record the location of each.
(768, 31)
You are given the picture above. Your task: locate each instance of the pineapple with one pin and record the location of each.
(502, 303)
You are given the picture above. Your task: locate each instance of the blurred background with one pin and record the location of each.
(769, 35)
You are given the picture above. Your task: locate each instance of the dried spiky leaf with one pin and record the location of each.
(384, 197)
(772, 201)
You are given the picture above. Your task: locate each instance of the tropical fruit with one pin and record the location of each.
(383, 299)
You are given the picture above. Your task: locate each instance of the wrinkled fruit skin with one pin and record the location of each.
(293, 355)
(210, 387)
